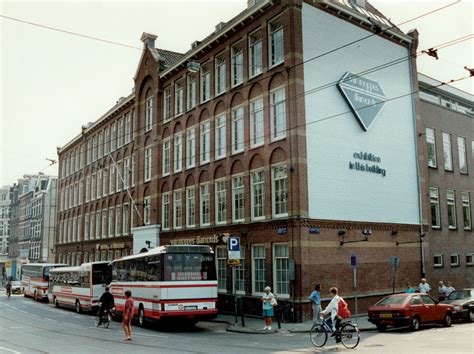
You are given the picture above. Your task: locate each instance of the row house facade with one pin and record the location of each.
(448, 117)
(4, 218)
(216, 142)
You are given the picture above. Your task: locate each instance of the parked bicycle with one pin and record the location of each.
(287, 312)
(348, 333)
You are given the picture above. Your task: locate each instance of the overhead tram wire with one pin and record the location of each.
(446, 83)
(319, 88)
(260, 79)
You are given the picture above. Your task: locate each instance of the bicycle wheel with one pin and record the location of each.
(97, 321)
(287, 314)
(318, 335)
(350, 336)
(107, 319)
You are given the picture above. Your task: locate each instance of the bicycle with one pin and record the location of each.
(105, 319)
(348, 333)
(287, 312)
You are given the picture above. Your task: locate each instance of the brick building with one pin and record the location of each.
(261, 130)
(448, 118)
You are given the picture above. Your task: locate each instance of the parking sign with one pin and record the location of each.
(233, 247)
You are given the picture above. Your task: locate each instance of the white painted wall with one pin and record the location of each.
(334, 191)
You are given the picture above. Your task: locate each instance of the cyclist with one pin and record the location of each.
(8, 288)
(332, 312)
(106, 304)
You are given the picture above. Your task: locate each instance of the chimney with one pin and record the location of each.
(148, 40)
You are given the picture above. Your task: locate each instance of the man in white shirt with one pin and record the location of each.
(449, 289)
(424, 287)
(442, 291)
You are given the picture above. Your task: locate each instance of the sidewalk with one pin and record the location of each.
(255, 325)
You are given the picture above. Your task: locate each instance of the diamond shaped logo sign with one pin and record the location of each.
(365, 97)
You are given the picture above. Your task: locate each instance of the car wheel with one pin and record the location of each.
(141, 317)
(381, 327)
(471, 315)
(78, 306)
(447, 320)
(415, 323)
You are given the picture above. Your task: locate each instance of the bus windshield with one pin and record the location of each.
(183, 267)
(99, 273)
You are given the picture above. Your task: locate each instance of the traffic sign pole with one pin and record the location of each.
(354, 273)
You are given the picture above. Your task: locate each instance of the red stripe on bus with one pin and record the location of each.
(56, 293)
(166, 301)
(165, 286)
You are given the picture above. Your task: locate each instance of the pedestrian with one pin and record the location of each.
(315, 299)
(409, 289)
(449, 289)
(424, 287)
(442, 291)
(128, 315)
(268, 302)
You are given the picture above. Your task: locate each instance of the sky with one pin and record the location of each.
(52, 83)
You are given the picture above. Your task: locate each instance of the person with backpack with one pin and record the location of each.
(337, 310)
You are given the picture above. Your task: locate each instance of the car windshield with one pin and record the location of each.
(392, 300)
(458, 295)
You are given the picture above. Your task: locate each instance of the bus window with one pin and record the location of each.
(182, 267)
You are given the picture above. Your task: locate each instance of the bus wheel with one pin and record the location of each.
(141, 316)
(56, 303)
(78, 306)
(35, 296)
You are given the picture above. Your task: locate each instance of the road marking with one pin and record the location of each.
(9, 350)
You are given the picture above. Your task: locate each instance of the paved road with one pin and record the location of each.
(30, 327)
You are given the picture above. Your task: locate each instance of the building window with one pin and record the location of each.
(279, 191)
(221, 259)
(205, 83)
(451, 203)
(166, 157)
(88, 187)
(94, 151)
(149, 114)
(237, 65)
(93, 186)
(178, 97)
(205, 205)
(100, 148)
(435, 212)
(111, 222)
(257, 181)
(275, 42)
(448, 156)
(277, 114)
(113, 134)
(132, 170)
(220, 71)
(146, 210)
(205, 142)
(221, 214)
(470, 259)
(147, 172)
(438, 260)
(106, 141)
(466, 210)
(240, 273)
(128, 127)
(177, 210)
(119, 133)
(220, 136)
(238, 199)
(111, 178)
(190, 207)
(178, 153)
(86, 226)
(165, 211)
(237, 130)
(191, 92)
(167, 105)
(256, 123)
(118, 220)
(258, 269)
(454, 259)
(462, 155)
(431, 143)
(126, 172)
(99, 184)
(280, 269)
(191, 148)
(118, 177)
(125, 224)
(104, 223)
(255, 54)
(105, 181)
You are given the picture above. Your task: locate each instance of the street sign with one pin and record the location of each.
(314, 230)
(233, 247)
(353, 260)
(395, 262)
(233, 262)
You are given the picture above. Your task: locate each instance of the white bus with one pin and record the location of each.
(78, 287)
(34, 279)
(168, 282)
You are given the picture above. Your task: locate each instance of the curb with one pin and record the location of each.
(366, 329)
(235, 329)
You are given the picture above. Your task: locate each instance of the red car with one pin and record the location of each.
(411, 310)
